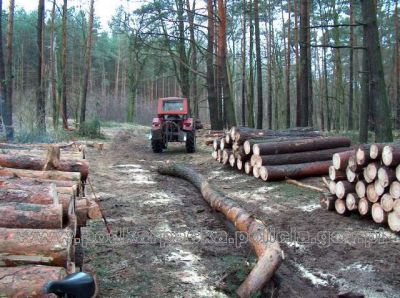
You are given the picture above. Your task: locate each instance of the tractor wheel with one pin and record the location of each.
(157, 146)
(190, 142)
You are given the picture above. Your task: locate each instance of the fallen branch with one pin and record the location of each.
(299, 184)
(267, 249)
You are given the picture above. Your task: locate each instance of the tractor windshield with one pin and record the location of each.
(173, 105)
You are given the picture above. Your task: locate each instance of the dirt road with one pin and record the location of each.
(167, 242)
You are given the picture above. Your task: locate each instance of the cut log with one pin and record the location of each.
(340, 207)
(352, 201)
(248, 168)
(372, 170)
(332, 187)
(362, 155)
(224, 145)
(352, 164)
(341, 159)
(301, 145)
(241, 135)
(33, 216)
(94, 211)
(232, 160)
(239, 164)
(45, 175)
(366, 177)
(36, 246)
(375, 151)
(398, 172)
(240, 154)
(34, 163)
(364, 207)
(228, 139)
(262, 172)
(295, 171)
(52, 161)
(379, 189)
(248, 144)
(386, 176)
(396, 205)
(257, 172)
(296, 158)
(214, 154)
(351, 175)
(391, 155)
(253, 160)
(387, 202)
(219, 155)
(336, 175)
(343, 188)
(225, 156)
(394, 221)
(327, 201)
(395, 189)
(378, 214)
(28, 281)
(361, 189)
(372, 196)
(268, 252)
(81, 211)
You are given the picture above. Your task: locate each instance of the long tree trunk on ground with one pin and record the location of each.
(226, 97)
(351, 70)
(380, 103)
(64, 113)
(53, 87)
(250, 95)
(40, 100)
(211, 91)
(304, 61)
(260, 104)
(2, 70)
(7, 104)
(88, 59)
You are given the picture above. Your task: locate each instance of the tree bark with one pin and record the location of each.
(86, 71)
(288, 64)
(7, 104)
(40, 100)
(34, 163)
(3, 85)
(22, 281)
(300, 146)
(351, 69)
(304, 61)
(380, 103)
(36, 246)
(260, 103)
(53, 176)
(250, 95)
(366, 100)
(268, 252)
(33, 216)
(64, 113)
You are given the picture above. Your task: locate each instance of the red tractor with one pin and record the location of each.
(173, 124)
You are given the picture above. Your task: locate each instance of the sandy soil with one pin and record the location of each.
(167, 242)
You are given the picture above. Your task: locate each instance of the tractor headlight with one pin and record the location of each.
(184, 138)
(149, 136)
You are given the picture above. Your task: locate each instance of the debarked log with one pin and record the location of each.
(266, 248)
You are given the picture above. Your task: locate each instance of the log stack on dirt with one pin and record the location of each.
(277, 155)
(366, 181)
(43, 204)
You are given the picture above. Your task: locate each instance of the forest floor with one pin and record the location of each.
(167, 242)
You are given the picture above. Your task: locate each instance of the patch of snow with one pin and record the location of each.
(127, 166)
(359, 267)
(159, 198)
(295, 244)
(264, 189)
(315, 280)
(141, 179)
(309, 208)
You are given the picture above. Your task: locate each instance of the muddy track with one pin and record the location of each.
(167, 242)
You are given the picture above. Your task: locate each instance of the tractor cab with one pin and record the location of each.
(173, 124)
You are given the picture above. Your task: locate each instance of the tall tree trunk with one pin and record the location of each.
(88, 59)
(380, 103)
(304, 61)
(297, 52)
(260, 103)
(230, 117)
(365, 97)
(250, 95)
(243, 54)
(2, 70)
(40, 100)
(53, 82)
(211, 91)
(351, 70)
(183, 60)
(288, 64)
(7, 104)
(193, 57)
(64, 113)
(397, 60)
(270, 58)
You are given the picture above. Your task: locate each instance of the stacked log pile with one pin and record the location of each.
(277, 155)
(366, 180)
(43, 204)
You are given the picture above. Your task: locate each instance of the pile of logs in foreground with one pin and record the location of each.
(42, 207)
(277, 155)
(366, 180)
